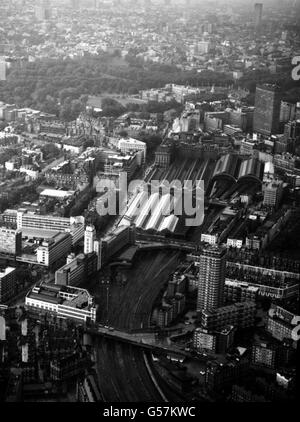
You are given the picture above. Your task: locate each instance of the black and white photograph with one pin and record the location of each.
(149, 205)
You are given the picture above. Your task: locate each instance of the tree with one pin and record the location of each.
(50, 151)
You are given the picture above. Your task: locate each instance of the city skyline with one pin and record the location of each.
(149, 204)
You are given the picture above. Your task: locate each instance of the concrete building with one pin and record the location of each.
(240, 315)
(7, 283)
(272, 192)
(89, 239)
(127, 145)
(73, 273)
(115, 241)
(54, 249)
(211, 265)
(267, 110)
(30, 220)
(235, 291)
(77, 269)
(63, 301)
(10, 241)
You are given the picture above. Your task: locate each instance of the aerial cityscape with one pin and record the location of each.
(149, 201)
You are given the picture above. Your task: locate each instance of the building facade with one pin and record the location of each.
(267, 110)
(212, 264)
(10, 241)
(7, 284)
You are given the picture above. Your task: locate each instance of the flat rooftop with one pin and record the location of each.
(4, 272)
(38, 233)
(54, 193)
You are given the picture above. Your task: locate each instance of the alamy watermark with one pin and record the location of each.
(296, 69)
(160, 198)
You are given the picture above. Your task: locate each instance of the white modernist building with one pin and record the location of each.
(127, 145)
(89, 238)
(72, 225)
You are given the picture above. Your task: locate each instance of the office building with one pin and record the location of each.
(53, 249)
(30, 220)
(267, 110)
(10, 241)
(77, 269)
(73, 272)
(127, 145)
(7, 283)
(258, 9)
(212, 265)
(116, 164)
(63, 301)
(272, 192)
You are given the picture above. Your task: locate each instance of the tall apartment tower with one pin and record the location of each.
(258, 9)
(267, 110)
(89, 238)
(212, 264)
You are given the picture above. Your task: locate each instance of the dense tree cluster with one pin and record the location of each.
(50, 151)
(61, 86)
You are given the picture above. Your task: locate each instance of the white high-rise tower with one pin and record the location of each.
(89, 238)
